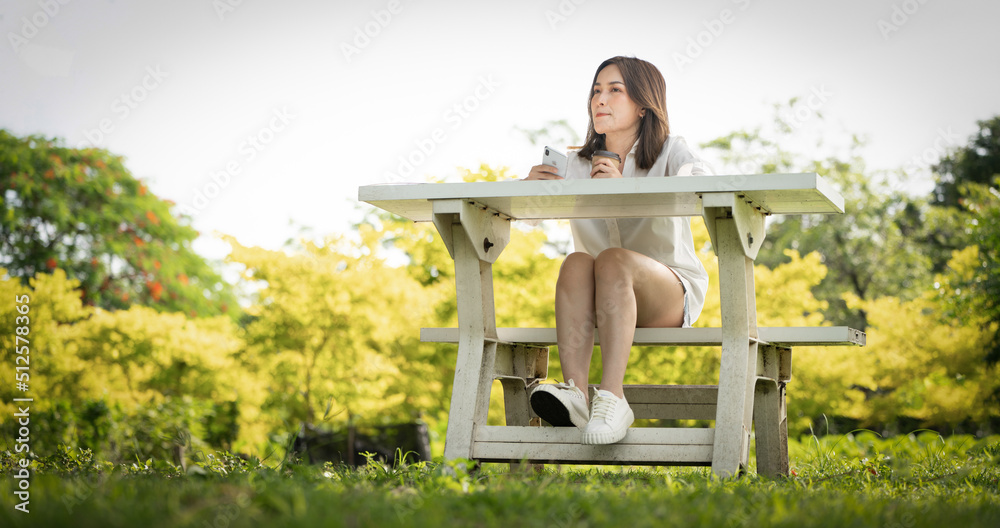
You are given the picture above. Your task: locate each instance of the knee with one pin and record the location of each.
(612, 264)
(576, 268)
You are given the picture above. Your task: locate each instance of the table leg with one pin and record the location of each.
(770, 419)
(739, 353)
(772, 428)
(470, 398)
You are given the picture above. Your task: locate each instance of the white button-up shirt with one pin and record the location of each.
(667, 240)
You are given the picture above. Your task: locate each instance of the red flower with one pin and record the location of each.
(51, 263)
(155, 289)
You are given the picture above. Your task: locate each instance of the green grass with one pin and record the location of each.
(859, 480)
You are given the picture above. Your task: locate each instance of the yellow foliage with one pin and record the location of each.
(922, 366)
(53, 306)
(335, 333)
(135, 357)
(140, 355)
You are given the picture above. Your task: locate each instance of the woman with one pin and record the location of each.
(626, 273)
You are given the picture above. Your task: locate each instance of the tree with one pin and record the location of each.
(868, 250)
(980, 289)
(968, 190)
(82, 211)
(154, 380)
(334, 331)
(978, 162)
(927, 362)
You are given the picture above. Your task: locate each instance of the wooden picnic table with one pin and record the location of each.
(474, 222)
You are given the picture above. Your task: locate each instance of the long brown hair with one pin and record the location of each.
(644, 84)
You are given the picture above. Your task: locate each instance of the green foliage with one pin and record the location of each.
(82, 211)
(868, 251)
(978, 290)
(902, 270)
(976, 163)
(966, 192)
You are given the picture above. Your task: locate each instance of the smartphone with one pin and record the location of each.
(556, 159)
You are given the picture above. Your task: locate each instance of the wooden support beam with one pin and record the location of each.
(671, 402)
(525, 361)
(655, 446)
(771, 428)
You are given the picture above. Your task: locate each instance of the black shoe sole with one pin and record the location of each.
(550, 409)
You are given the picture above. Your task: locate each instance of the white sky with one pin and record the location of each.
(213, 78)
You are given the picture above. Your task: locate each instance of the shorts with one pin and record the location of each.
(687, 311)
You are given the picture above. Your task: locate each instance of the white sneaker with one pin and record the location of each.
(560, 404)
(610, 418)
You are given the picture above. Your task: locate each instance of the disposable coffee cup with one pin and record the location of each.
(606, 154)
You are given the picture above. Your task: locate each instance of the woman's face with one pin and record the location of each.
(610, 106)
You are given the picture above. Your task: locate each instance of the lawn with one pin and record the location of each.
(854, 480)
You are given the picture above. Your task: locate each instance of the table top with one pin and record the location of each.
(806, 193)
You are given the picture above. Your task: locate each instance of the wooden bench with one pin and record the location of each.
(521, 361)
(474, 222)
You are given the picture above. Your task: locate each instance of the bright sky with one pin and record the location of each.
(265, 116)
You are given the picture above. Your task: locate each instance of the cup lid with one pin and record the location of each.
(607, 154)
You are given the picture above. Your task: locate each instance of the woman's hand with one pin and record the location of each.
(543, 172)
(604, 168)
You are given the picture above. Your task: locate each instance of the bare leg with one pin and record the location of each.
(575, 318)
(631, 290)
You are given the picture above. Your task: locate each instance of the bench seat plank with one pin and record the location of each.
(678, 446)
(786, 336)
